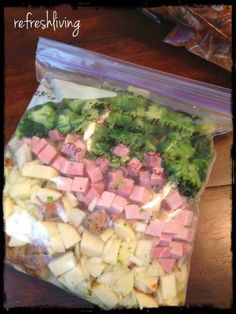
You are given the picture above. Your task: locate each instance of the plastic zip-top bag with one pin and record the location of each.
(103, 177)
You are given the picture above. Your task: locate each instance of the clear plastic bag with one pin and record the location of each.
(204, 30)
(103, 177)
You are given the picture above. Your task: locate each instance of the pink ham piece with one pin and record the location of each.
(34, 140)
(183, 217)
(145, 179)
(152, 159)
(125, 187)
(94, 174)
(157, 177)
(106, 200)
(134, 167)
(89, 163)
(115, 175)
(157, 252)
(55, 135)
(185, 234)
(187, 247)
(92, 194)
(173, 200)
(103, 164)
(133, 211)
(171, 227)
(72, 138)
(118, 204)
(70, 168)
(63, 183)
(120, 150)
(165, 239)
(47, 154)
(99, 186)
(58, 162)
(176, 249)
(80, 184)
(27, 140)
(75, 150)
(37, 146)
(140, 195)
(154, 228)
(167, 264)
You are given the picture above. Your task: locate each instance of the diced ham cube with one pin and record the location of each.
(121, 150)
(58, 162)
(156, 241)
(55, 135)
(63, 183)
(187, 248)
(125, 187)
(72, 137)
(94, 174)
(157, 179)
(152, 159)
(47, 154)
(89, 163)
(140, 195)
(115, 175)
(171, 227)
(185, 234)
(133, 211)
(99, 186)
(173, 200)
(134, 167)
(165, 239)
(157, 252)
(145, 179)
(75, 150)
(36, 147)
(154, 228)
(72, 168)
(80, 184)
(183, 217)
(176, 249)
(103, 164)
(106, 200)
(167, 263)
(88, 198)
(34, 140)
(118, 204)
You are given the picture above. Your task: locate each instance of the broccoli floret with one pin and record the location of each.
(44, 114)
(30, 128)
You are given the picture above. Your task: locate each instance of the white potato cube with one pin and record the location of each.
(125, 284)
(168, 286)
(56, 244)
(76, 217)
(44, 194)
(68, 234)
(91, 245)
(108, 297)
(143, 249)
(62, 264)
(111, 250)
(145, 300)
(32, 170)
(23, 155)
(106, 234)
(124, 230)
(72, 277)
(95, 266)
(147, 284)
(8, 206)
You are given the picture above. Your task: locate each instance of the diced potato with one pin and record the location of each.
(154, 269)
(145, 300)
(72, 198)
(125, 284)
(106, 234)
(91, 245)
(77, 251)
(56, 244)
(140, 226)
(143, 249)
(136, 260)
(83, 264)
(147, 284)
(168, 286)
(32, 170)
(23, 155)
(124, 230)
(111, 250)
(172, 302)
(14, 176)
(126, 251)
(108, 297)
(67, 205)
(95, 266)
(68, 234)
(20, 240)
(181, 278)
(62, 264)
(8, 206)
(19, 223)
(45, 195)
(76, 217)
(21, 189)
(106, 278)
(72, 277)
(50, 227)
(129, 301)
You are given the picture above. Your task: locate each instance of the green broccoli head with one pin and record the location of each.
(30, 128)
(45, 115)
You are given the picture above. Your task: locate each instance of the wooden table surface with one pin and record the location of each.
(129, 35)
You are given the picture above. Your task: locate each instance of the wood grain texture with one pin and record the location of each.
(129, 35)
